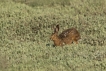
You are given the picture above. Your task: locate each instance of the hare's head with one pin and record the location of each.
(55, 37)
(55, 33)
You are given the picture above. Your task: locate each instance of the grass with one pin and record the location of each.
(25, 37)
(43, 2)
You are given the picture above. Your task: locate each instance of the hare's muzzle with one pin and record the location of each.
(51, 38)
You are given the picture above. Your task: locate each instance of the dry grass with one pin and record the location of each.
(25, 37)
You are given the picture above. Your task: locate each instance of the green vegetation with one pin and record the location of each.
(44, 2)
(25, 36)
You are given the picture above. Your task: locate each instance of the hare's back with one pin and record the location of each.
(69, 32)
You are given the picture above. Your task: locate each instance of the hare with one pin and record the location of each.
(66, 37)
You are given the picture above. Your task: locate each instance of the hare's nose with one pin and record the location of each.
(50, 38)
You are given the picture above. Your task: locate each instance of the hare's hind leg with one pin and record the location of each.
(67, 41)
(76, 41)
(70, 42)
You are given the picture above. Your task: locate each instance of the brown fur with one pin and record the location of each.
(66, 37)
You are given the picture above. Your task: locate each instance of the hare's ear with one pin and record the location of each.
(57, 28)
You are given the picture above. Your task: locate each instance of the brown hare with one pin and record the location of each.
(66, 37)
